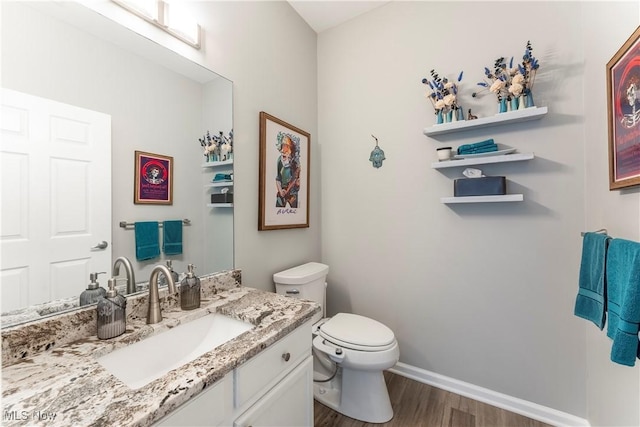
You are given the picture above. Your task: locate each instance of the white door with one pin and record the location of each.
(55, 166)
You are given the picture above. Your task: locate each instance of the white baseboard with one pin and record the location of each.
(503, 401)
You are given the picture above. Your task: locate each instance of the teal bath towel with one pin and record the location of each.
(147, 237)
(623, 291)
(172, 237)
(590, 302)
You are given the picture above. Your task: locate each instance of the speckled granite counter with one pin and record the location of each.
(50, 375)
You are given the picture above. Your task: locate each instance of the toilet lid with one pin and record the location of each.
(357, 332)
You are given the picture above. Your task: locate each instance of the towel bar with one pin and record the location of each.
(125, 224)
(602, 230)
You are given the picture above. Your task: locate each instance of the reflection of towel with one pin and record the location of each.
(590, 302)
(623, 291)
(172, 237)
(147, 246)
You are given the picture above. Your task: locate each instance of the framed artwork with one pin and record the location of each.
(153, 179)
(284, 175)
(623, 108)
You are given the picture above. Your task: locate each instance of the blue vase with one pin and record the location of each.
(502, 106)
(529, 100)
(514, 104)
(460, 113)
(449, 116)
(439, 119)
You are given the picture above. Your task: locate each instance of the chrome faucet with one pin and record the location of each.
(154, 315)
(131, 277)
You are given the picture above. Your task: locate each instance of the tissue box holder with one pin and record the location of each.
(222, 198)
(485, 186)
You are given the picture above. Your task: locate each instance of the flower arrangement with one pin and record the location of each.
(218, 147)
(442, 93)
(511, 82)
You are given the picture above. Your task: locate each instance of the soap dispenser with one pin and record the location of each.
(94, 291)
(112, 313)
(162, 281)
(190, 290)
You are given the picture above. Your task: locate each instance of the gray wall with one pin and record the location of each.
(479, 293)
(613, 391)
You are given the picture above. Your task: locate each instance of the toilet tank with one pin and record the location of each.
(306, 281)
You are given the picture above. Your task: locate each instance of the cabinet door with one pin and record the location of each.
(210, 408)
(288, 403)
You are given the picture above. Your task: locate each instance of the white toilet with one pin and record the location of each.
(350, 351)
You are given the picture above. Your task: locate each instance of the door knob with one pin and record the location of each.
(101, 245)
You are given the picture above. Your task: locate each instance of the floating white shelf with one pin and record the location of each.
(515, 157)
(220, 205)
(214, 164)
(482, 199)
(532, 113)
(219, 184)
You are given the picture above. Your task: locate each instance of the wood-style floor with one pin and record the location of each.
(420, 405)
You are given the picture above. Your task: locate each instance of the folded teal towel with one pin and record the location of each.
(485, 149)
(623, 300)
(172, 237)
(147, 246)
(590, 303)
(476, 145)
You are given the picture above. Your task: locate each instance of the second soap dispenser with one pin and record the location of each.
(93, 292)
(190, 290)
(112, 313)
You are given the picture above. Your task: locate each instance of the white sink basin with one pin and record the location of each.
(138, 364)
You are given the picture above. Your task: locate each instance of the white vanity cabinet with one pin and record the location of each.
(288, 403)
(274, 388)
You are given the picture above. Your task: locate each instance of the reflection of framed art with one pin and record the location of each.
(284, 175)
(153, 179)
(623, 107)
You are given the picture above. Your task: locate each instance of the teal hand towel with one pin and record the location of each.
(623, 300)
(476, 145)
(485, 149)
(590, 301)
(147, 237)
(172, 237)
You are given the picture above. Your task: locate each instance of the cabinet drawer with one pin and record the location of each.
(209, 408)
(267, 368)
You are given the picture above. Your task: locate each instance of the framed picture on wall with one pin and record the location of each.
(283, 175)
(623, 108)
(153, 179)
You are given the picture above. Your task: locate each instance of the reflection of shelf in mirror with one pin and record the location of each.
(219, 184)
(483, 160)
(532, 113)
(214, 164)
(482, 199)
(220, 205)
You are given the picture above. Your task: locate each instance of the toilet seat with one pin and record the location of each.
(357, 333)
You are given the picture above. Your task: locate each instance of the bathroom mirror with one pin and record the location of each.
(158, 101)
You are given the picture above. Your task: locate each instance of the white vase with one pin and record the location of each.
(521, 101)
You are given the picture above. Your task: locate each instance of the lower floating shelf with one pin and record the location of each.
(482, 199)
(219, 205)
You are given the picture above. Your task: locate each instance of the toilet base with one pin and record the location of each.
(361, 395)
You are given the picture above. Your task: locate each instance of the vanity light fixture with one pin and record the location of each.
(168, 16)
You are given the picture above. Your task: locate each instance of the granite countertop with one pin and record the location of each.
(50, 382)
